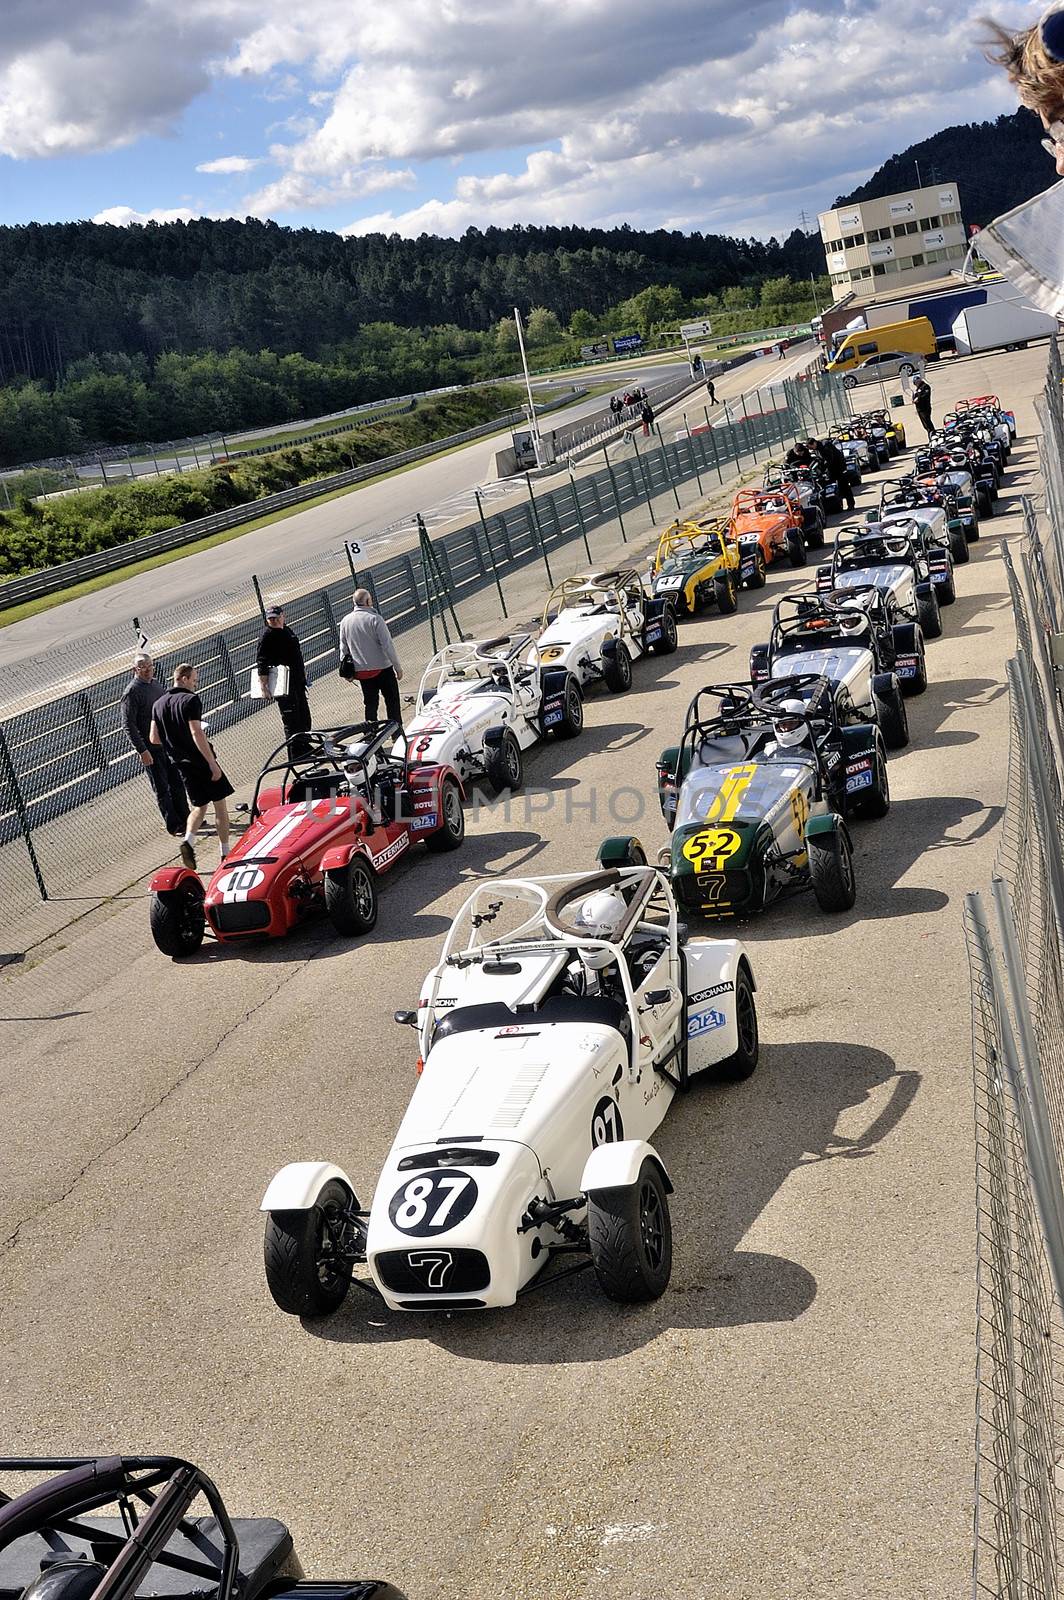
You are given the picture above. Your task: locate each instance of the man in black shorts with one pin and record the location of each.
(177, 725)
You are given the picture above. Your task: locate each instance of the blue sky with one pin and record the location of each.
(430, 115)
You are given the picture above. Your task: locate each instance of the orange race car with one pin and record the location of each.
(766, 524)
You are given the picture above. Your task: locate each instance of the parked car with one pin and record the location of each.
(696, 564)
(596, 624)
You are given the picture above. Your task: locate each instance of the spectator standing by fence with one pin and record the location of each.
(922, 404)
(177, 727)
(279, 647)
(368, 655)
(646, 417)
(138, 702)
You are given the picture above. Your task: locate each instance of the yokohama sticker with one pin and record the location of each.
(709, 994)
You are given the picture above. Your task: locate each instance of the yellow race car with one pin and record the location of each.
(697, 562)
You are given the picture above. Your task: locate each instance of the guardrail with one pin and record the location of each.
(50, 581)
(59, 755)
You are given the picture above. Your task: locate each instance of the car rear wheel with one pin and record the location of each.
(984, 504)
(929, 615)
(946, 592)
(796, 547)
(891, 715)
(874, 802)
(617, 668)
(451, 832)
(725, 593)
(304, 1274)
(351, 897)
(958, 545)
(503, 765)
(740, 1065)
(831, 870)
(630, 1238)
(572, 711)
(177, 919)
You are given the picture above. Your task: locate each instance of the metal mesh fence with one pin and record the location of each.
(1018, 1054)
(68, 806)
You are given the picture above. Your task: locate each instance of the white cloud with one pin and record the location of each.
(687, 113)
(227, 164)
(126, 216)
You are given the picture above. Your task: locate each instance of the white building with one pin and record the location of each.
(879, 245)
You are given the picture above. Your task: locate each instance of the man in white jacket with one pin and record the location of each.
(364, 637)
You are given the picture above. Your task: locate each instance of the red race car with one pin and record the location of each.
(324, 824)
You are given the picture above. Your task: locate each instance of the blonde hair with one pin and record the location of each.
(1039, 79)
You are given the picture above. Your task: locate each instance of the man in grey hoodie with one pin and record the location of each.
(138, 702)
(365, 639)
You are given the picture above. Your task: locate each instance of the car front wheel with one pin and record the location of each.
(630, 1238)
(351, 897)
(503, 765)
(304, 1273)
(177, 920)
(617, 669)
(831, 870)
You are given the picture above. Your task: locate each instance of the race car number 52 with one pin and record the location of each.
(433, 1202)
(709, 848)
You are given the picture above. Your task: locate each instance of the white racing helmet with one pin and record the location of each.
(599, 917)
(790, 729)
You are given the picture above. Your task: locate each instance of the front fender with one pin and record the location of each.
(340, 856)
(297, 1186)
(170, 878)
(616, 1166)
(828, 822)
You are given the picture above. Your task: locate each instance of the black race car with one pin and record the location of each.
(54, 1545)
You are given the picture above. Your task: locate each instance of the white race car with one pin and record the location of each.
(561, 1019)
(595, 625)
(485, 702)
(887, 557)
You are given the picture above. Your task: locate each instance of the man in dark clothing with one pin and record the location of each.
(279, 647)
(138, 702)
(798, 455)
(836, 466)
(646, 417)
(922, 403)
(177, 728)
(711, 390)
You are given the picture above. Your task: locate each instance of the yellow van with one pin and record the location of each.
(884, 346)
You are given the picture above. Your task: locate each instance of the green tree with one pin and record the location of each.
(542, 326)
(506, 334)
(582, 324)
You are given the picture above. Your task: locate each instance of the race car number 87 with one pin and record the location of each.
(433, 1202)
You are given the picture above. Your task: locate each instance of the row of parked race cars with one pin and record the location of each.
(564, 1014)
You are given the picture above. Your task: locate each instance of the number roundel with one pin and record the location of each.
(606, 1124)
(433, 1202)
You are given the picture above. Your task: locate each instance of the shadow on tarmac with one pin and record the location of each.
(729, 1150)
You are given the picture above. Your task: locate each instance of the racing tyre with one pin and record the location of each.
(740, 1065)
(630, 1238)
(178, 920)
(815, 535)
(831, 870)
(918, 683)
(971, 533)
(796, 548)
(958, 546)
(930, 617)
(572, 711)
(983, 502)
(667, 643)
(303, 1276)
(947, 592)
(891, 715)
(351, 897)
(450, 834)
(726, 593)
(617, 669)
(503, 765)
(760, 577)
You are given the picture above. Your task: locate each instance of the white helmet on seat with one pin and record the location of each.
(788, 723)
(599, 917)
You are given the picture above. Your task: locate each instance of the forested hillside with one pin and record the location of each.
(996, 164)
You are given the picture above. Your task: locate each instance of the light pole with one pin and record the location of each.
(533, 420)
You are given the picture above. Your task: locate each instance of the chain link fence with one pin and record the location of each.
(1017, 970)
(71, 819)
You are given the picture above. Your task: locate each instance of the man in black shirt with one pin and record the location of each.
(177, 726)
(834, 458)
(279, 647)
(138, 702)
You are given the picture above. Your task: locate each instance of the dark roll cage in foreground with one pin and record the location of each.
(42, 1532)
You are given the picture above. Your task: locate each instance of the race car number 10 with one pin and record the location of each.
(433, 1202)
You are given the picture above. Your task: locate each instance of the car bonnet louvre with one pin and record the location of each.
(481, 1094)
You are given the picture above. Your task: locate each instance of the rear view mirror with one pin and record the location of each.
(658, 997)
(406, 1019)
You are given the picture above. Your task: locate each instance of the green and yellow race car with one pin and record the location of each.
(695, 563)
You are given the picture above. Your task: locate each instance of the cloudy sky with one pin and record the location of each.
(433, 115)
